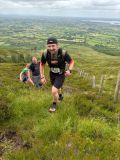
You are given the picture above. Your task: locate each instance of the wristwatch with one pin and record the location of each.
(70, 70)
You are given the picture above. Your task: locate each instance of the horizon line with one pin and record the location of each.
(47, 16)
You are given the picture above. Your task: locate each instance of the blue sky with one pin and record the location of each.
(72, 8)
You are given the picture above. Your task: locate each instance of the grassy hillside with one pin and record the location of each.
(85, 125)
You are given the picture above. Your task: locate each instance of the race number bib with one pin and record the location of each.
(55, 70)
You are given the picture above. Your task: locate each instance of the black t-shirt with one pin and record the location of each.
(35, 69)
(62, 59)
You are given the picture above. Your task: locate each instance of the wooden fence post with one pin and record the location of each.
(80, 73)
(117, 88)
(93, 82)
(101, 85)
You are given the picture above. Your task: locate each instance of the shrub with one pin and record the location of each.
(5, 109)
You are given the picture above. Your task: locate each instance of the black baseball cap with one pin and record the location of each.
(52, 40)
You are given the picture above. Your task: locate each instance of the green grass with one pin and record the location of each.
(85, 125)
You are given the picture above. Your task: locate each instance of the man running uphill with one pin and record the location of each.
(35, 69)
(56, 58)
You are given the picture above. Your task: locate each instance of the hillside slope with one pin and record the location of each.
(85, 125)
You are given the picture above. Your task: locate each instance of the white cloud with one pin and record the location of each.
(61, 6)
(81, 4)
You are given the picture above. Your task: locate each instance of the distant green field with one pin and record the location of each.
(31, 33)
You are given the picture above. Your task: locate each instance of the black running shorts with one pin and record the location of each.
(57, 79)
(24, 79)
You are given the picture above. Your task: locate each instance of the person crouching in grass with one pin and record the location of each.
(25, 75)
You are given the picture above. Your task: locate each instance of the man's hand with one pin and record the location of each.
(43, 80)
(67, 73)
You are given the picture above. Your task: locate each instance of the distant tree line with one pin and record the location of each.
(15, 56)
(107, 50)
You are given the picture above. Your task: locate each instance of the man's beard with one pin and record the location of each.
(53, 52)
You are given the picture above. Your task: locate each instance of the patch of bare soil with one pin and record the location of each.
(9, 140)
